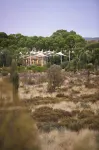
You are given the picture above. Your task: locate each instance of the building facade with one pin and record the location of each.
(34, 60)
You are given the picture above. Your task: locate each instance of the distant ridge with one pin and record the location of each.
(91, 39)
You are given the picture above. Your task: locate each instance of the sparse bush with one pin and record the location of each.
(97, 140)
(97, 72)
(60, 95)
(55, 77)
(30, 81)
(70, 123)
(4, 73)
(85, 141)
(68, 140)
(85, 114)
(47, 114)
(42, 78)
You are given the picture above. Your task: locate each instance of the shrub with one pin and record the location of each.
(85, 113)
(55, 77)
(47, 114)
(64, 64)
(71, 123)
(37, 68)
(30, 81)
(60, 95)
(85, 141)
(4, 73)
(21, 68)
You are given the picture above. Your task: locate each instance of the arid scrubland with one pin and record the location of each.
(66, 119)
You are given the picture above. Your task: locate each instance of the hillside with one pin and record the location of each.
(91, 39)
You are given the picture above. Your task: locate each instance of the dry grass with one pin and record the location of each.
(73, 106)
(18, 131)
(5, 91)
(67, 140)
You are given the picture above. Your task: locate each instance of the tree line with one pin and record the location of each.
(73, 45)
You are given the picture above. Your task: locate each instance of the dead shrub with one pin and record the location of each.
(47, 114)
(68, 140)
(60, 95)
(71, 123)
(30, 81)
(89, 85)
(85, 113)
(42, 78)
(85, 141)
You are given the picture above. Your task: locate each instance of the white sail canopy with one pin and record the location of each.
(60, 54)
(40, 54)
(33, 52)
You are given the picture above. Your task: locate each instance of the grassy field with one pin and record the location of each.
(66, 118)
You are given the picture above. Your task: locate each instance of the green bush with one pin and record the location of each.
(37, 68)
(4, 73)
(64, 64)
(21, 68)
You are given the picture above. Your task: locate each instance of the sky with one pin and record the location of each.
(43, 17)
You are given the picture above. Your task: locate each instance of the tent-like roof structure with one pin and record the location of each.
(40, 54)
(33, 52)
(60, 54)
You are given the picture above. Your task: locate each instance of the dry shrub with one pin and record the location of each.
(30, 81)
(75, 91)
(26, 90)
(85, 113)
(17, 131)
(41, 78)
(63, 89)
(55, 77)
(71, 123)
(60, 95)
(89, 85)
(42, 100)
(90, 97)
(5, 91)
(85, 141)
(67, 140)
(47, 114)
(84, 105)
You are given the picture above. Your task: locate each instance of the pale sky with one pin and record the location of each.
(43, 17)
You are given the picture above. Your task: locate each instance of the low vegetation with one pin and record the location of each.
(55, 77)
(67, 114)
(17, 131)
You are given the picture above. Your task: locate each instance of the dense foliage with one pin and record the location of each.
(70, 43)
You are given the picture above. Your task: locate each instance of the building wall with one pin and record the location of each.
(40, 61)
